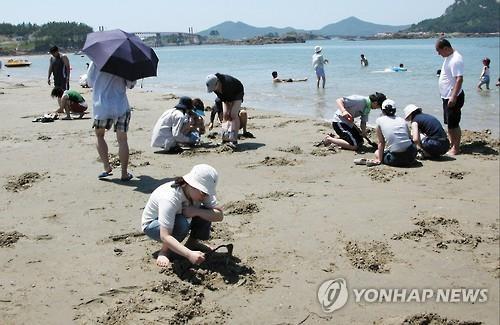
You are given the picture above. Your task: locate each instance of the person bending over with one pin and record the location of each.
(70, 101)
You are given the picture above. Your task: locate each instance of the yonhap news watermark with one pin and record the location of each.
(333, 294)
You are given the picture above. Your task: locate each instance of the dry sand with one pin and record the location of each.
(72, 251)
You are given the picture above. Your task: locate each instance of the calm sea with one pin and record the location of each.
(182, 70)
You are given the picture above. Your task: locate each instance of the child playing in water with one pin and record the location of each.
(484, 78)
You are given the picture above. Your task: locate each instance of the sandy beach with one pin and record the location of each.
(72, 251)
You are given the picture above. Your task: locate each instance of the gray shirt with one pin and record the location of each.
(357, 106)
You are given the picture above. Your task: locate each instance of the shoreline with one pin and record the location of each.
(72, 251)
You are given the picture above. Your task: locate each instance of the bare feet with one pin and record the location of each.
(162, 260)
(453, 152)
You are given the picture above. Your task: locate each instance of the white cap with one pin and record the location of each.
(409, 109)
(389, 107)
(211, 82)
(317, 49)
(203, 177)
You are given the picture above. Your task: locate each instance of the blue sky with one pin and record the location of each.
(178, 15)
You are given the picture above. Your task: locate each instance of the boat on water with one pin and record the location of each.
(16, 63)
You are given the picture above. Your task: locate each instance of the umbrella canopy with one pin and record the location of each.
(121, 53)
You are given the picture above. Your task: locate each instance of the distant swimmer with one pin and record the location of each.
(400, 68)
(364, 61)
(276, 79)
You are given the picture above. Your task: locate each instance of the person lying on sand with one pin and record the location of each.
(185, 205)
(276, 79)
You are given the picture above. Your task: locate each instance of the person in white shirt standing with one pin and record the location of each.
(318, 62)
(452, 94)
(110, 108)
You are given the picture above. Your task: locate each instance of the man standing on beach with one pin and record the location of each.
(452, 94)
(59, 67)
(111, 108)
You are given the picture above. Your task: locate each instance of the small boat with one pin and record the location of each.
(16, 63)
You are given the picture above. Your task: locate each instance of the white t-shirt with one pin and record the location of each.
(166, 202)
(453, 66)
(108, 94)
(395, 132)
(167, 131)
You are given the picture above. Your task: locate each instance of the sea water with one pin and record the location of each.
(182, 70)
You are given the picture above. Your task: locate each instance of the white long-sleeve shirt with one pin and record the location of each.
(109, 94)
(167, 131)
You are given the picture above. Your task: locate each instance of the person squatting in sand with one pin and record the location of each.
(172, 127)
(184, 205)
(350, 107)
(70, 101)
(217, 111)
(230, 91)
(427, 133)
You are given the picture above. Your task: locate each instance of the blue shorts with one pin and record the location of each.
(120, 124)
(435, 147)
(320, 72)
(401, 159)
(200, 228)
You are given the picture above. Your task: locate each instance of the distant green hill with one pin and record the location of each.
(465, 16)
(353, 26)
(239, 30)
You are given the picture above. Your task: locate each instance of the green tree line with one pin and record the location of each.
(41, 38)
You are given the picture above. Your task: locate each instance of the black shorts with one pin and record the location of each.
(348, 133)
(452, 115)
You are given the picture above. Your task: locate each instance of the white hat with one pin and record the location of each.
(409, 109)
(203, 177)
(211, 82)
(389, 107)
(317, 49)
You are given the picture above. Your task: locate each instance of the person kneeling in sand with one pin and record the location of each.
(70, 101)
(172, 128)
(175, 208)
(351, 107)
(276, 79)
(427, 133)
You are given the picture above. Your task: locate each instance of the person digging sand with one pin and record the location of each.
(185, 205)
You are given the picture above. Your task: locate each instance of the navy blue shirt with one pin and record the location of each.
(232, 88)
(430, 126)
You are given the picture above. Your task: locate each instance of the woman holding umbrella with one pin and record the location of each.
(118, 60)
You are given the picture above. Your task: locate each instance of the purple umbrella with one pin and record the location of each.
(122, 54)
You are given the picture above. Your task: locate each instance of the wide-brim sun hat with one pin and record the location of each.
(409, 109)
(318, 49)
(211, 82)
(203, 177)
